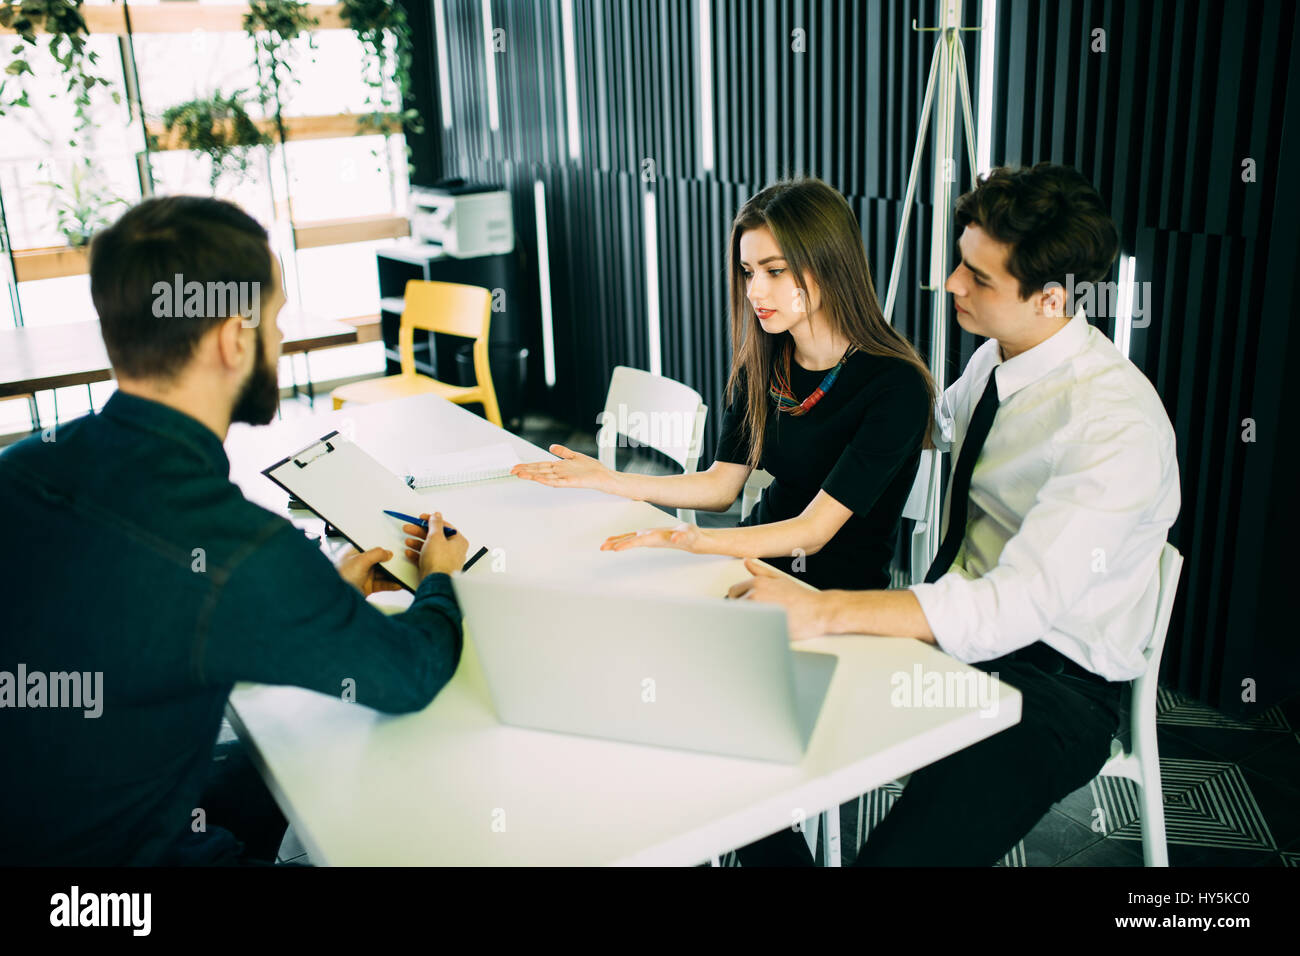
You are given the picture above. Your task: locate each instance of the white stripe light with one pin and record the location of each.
(570, 78)
(706, 86)
(490, 63)
(544, 283)
(444, 73)
(652, 282)
(984, 117)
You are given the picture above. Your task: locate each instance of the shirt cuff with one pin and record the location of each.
(943, 613)
(437, 587)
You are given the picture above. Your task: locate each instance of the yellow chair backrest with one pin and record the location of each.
(447, 307)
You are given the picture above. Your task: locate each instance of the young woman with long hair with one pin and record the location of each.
(823, 394)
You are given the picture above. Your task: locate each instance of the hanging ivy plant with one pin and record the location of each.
(373, 21)
(67, 32)
(273, 26)
(218, 127)
(81, 204)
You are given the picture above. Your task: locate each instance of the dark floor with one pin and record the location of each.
(1231, 787)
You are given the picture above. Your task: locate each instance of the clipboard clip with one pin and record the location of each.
(302, 460)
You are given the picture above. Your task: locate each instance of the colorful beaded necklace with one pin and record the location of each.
(784, 396)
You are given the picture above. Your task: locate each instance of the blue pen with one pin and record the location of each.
(447, 531)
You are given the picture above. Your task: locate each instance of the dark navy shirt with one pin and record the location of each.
(102, 572)
(861, 443)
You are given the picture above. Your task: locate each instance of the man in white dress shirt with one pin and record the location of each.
(1052, 583)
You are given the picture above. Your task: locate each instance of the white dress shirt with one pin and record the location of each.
(1070, 503)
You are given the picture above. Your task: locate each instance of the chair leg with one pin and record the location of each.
(487, 393)
(831, 835)
(1155, 846)
(862, 819)
(491, 411)
(810, 833)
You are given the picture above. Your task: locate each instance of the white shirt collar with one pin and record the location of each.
(1032, 364)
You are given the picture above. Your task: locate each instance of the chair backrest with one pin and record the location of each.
(917, 506)
(447, 307)
(1171, 566)
(758, 480)
(1142, 701)
(925, 488)
(656, 411)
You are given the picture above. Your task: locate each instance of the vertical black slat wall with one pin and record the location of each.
(1160, 122)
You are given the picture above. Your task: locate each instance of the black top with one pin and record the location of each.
(131, 554)
(861, 443)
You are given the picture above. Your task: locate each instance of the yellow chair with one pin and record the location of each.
(450, 308)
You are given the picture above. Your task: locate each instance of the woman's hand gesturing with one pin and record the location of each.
(573, 470)
(685, 537)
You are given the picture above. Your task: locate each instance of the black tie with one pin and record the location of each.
(980, 424)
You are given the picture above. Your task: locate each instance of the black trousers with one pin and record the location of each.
(972, 807)
(244, 827)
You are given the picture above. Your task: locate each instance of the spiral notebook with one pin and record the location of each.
(462, 467)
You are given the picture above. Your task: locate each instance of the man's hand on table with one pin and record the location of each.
(806, 611)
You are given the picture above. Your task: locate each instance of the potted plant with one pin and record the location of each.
(81, 205)
(218, 127)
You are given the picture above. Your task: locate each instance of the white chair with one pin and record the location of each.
(925, 488)
(830, 825)
(758, 480)
(656, 411)
(1141, 762)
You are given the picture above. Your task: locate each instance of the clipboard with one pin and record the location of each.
(341, 484)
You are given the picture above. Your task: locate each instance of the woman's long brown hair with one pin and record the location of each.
(818, 235)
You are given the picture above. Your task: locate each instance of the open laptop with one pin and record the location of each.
(694, 673)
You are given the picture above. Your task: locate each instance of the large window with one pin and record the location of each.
(329, 196)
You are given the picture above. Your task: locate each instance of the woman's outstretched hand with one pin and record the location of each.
(573, 470)
(685, 537)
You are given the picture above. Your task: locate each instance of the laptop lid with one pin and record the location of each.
(694, 673)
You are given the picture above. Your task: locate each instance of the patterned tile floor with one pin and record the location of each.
(1231, 787)
(1231, 796)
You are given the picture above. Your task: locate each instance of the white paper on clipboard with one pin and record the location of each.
(343, 485)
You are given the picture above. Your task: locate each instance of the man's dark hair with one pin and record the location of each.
(201, 239)
(1053, 219)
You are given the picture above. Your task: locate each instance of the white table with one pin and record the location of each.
(451, 785)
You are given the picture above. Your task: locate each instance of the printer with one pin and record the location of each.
(462, 219)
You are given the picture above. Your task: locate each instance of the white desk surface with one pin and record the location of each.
(451, 785)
